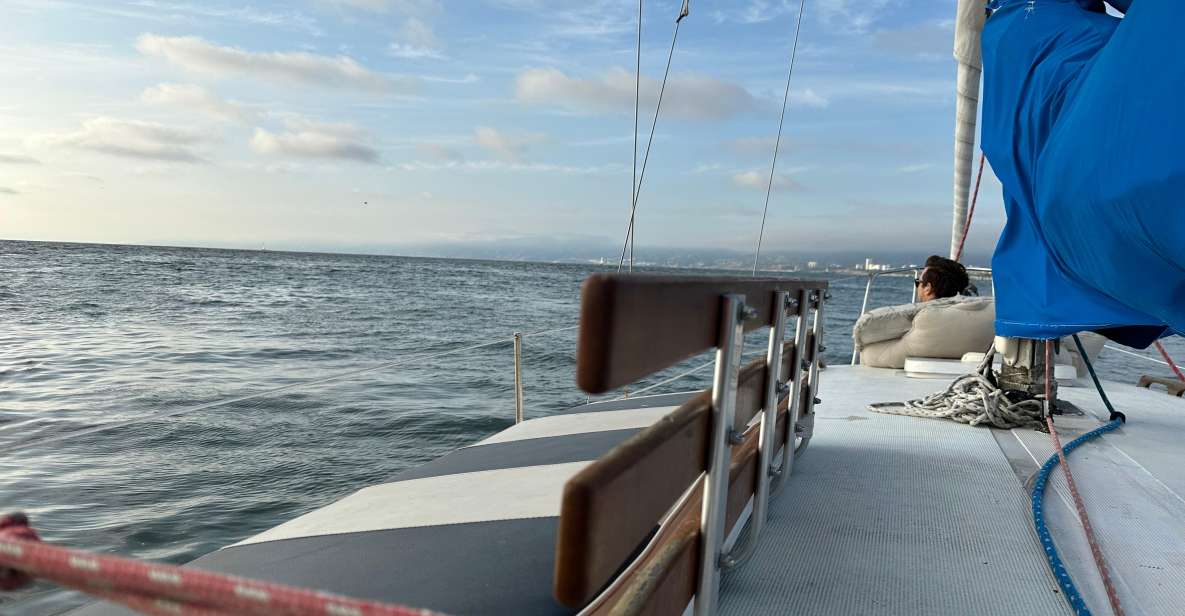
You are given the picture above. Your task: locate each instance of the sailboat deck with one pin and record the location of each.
(900, 515)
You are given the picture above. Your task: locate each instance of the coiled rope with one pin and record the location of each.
(972, 399)
(165, 590)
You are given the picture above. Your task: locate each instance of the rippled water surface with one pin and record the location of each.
(91, 334)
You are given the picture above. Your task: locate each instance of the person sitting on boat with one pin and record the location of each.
(941, 278)
(944, 323)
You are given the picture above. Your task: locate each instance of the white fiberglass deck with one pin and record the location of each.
(898, 515)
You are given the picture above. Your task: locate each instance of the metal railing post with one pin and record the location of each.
(769, 421)
(796, 378)
(724, 392)
(518, 377)
(816, 356)
(863, 309)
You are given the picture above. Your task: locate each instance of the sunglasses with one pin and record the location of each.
(917, 282)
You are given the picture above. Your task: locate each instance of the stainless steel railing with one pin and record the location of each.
(981, 272)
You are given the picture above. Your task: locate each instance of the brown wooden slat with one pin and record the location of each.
(663, 578)
(634, 325)
(612, 505)
(750, 393)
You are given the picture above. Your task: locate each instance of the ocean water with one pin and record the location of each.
(92, 334)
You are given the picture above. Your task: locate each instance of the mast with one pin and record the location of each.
(968, 30)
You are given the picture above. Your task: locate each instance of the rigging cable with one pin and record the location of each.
(778, 141)
(629, 232)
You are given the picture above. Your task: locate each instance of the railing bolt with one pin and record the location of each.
(817, 401)
(827, 295)
(822, 347)
(746, 313)
(791, 305)
(782, 388)
(806, 364)
(735, 438)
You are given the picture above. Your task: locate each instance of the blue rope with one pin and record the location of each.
(1055, 562)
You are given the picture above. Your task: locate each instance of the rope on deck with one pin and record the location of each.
(972, 399)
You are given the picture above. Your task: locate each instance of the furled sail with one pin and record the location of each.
(968, 26)
(1082, 123)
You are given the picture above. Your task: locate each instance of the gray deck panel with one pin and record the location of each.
(895, 515)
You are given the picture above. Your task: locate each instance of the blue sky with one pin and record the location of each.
(346, 123)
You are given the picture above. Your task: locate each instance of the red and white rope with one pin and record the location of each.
(1169, 360)
(1099, 560)
(166, 590)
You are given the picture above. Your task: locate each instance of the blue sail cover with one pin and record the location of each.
(1084, 124)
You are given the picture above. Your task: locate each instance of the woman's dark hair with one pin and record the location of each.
(947, 277)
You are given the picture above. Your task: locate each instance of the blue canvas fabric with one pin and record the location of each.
(1084, 124)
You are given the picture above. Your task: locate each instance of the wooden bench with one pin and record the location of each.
(642, 529)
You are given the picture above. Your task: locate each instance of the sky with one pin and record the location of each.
(390, 124)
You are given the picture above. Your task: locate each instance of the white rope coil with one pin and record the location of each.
(972, 399)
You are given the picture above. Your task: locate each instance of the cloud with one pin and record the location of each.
(309, 139)
(757, 11)
(17, 159)
(437, 152)
(199, 99)
(416, 41)
(406, 7)
(130, 139)
(808, 98)
(851, 16)
(760, 180)
(4, 190)
(692, 97)
(510, 147)
(915, 168)
(196, 54)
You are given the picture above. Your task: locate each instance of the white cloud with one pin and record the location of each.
(760, 180)
(693, 97)
(915, 168)
(130, 139)
(808, 98)
(851, 16)
(309, 139)
(416, 41)
(199, 99)
(407, 7)
(4, 190)
(757, 11)
(437, 152)
(510, 147)
(17, 159)
(196, 54)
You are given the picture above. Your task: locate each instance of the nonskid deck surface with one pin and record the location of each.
(895, 515)
(898, 515)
